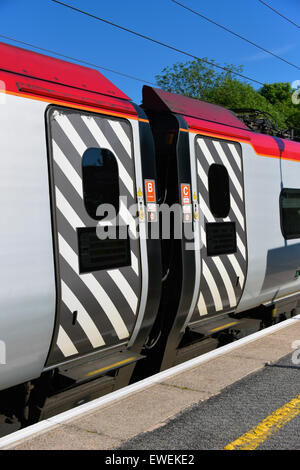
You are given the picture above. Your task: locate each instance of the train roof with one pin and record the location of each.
(210, 119)
(162, 100)
(42, 75)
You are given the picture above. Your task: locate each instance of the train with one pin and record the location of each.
(91, 301)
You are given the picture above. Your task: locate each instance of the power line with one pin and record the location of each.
(90, 64)
(236, 34)
(157, 42)
(278, 13)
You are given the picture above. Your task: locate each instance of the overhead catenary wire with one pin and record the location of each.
(280, 14)
(90, 64)
(236, 34)
(148, 38)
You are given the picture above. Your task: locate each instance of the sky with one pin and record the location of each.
(51, 26)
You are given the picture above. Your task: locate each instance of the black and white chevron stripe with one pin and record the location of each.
(223, 276)
(106, 300)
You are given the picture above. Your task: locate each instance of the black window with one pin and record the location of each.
(100, 178)
(290, 213)
(218, 187)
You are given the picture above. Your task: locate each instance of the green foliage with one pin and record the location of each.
(276, 92)
(198, 80)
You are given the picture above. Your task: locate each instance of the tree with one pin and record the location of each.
(280, 96)
(277, 92)
(199, 80)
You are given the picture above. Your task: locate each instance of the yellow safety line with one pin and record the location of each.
(110, 366)
(266, 428)
(223, 326)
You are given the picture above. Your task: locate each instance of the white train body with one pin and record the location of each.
(74, 304)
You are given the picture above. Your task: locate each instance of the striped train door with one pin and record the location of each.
(105, 301)
(222, 276)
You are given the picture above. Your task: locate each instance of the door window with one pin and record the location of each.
(100, 178)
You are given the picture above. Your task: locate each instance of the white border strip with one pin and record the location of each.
(118, 394)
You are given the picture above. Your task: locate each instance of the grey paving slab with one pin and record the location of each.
(67, 437)
(140, 411)
(214, 375)
(291, 332)
(270, 348)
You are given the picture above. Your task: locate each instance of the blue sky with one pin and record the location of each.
(52, 26)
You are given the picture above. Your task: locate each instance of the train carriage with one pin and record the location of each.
(242, 273)
(73, 305)
(132, 237)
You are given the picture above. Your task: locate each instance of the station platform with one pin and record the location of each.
(245, 395)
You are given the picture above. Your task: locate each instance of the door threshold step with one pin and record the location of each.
(100, 366)
(213, 326)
